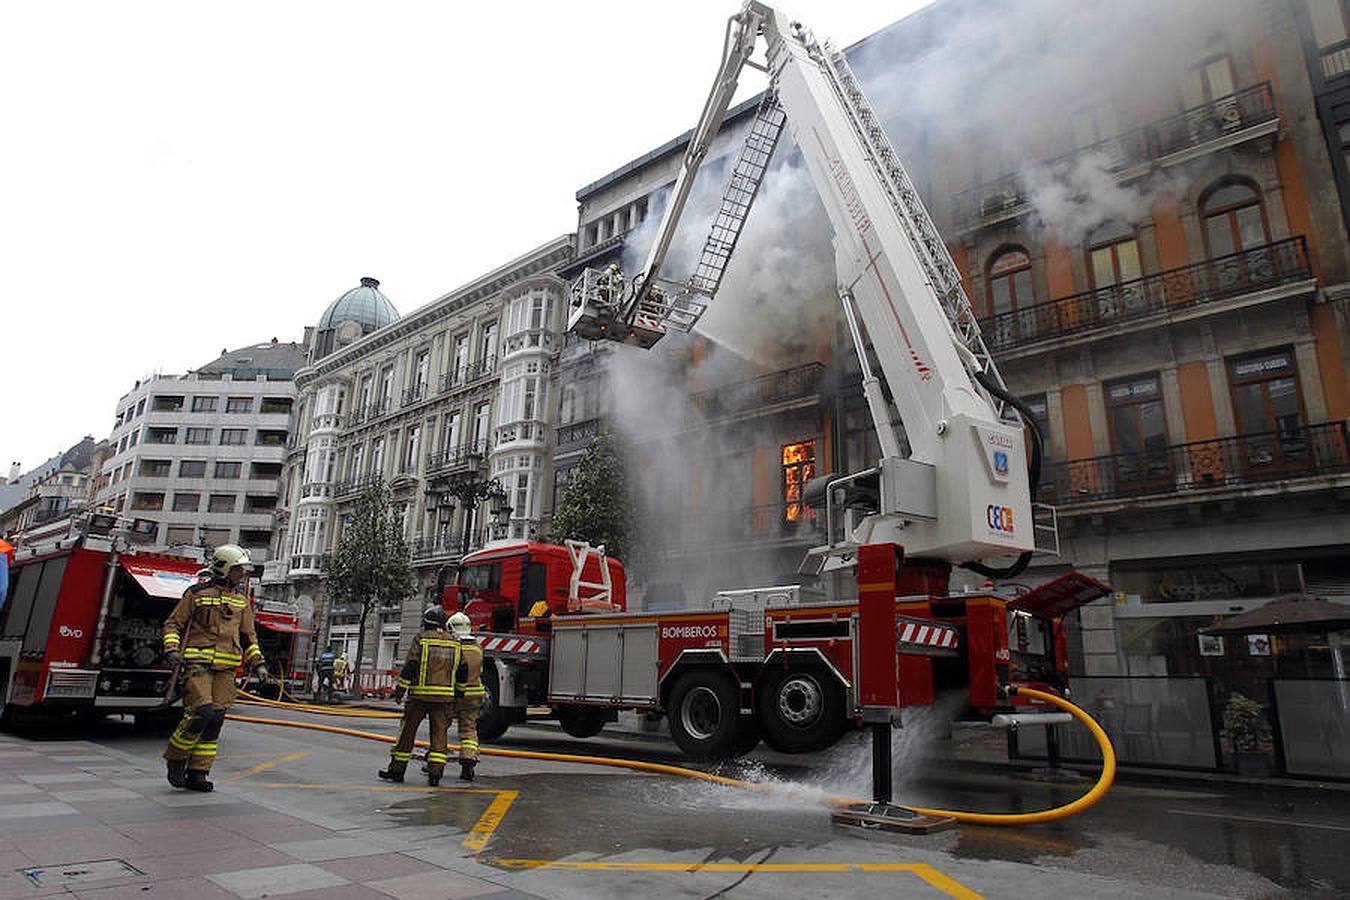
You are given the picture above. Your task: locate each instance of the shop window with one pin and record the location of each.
(1269, 410)
(799, 467)
(1138, 431)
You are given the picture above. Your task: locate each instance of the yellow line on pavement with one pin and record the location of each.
(947, 885)
(487, 823)
(264, 766)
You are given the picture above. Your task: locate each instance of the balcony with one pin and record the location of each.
(1335, 60)
(353, 486)
(1183, 470)
(799, 383)
(578, 434)
(468, 374)
(422, 548)
(1229, 120)
(369, 411)
(1162, 297)
(414, 394)
(454, 456)
(309, 563)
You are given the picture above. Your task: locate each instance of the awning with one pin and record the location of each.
(1063, 595)
(160, 582)
(277, 623)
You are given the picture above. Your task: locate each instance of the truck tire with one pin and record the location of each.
(802, 709)
(704, 715)
(492, 719)
(582, 721)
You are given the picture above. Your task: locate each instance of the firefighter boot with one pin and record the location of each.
(390, 775)
(177, 772)
(197, 781)
(466, 769)
(433, 780)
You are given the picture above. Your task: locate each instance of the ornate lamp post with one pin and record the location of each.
(468, 489)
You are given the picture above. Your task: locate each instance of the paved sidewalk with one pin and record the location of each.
(78, 819)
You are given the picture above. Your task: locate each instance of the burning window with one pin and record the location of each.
(799, 467)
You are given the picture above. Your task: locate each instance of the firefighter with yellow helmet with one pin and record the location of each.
(428, 681)
(208, 634)
(469, 693)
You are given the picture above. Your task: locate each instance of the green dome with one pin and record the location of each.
(364, 305)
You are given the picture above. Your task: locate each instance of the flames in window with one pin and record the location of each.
(799, 467)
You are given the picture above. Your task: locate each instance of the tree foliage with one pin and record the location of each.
(370, 564)
(597, 505)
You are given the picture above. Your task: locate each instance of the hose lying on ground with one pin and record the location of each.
(1074, 807)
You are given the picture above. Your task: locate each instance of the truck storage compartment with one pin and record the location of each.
(604, 663)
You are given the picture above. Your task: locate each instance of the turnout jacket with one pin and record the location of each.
(429, 673)
(213, 626)
(469, 672)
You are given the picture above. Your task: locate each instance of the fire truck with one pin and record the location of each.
(81, 628)
(767, 664)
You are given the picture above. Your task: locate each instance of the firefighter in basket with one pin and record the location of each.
(428, 680)
(469, 693)
(208, 634)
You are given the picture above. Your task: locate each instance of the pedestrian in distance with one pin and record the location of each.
(469, 693)
(428, 682)
(206, 637)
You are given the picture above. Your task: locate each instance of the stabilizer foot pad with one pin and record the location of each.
(885, 817)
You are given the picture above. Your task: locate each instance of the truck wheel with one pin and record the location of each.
(492, 719)
(802, 709)
(705, 715)
(581, 721)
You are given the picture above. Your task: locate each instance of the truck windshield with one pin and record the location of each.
(483, 577)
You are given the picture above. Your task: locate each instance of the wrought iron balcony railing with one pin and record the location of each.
(468, 373)
(1248, 459)
(777, 387)
(454, 456)
(1259, 268)
(1335, 60)
(1005, 196)
(578, 432)
(355, 485)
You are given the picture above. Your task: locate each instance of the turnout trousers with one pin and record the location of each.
(207, 694)
(414, 711)
(466, 712)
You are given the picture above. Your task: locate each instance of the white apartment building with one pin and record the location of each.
(467, 380)
(200, 454)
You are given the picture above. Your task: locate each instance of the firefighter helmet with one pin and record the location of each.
(460, 625)
(433, 616)
(226, 557)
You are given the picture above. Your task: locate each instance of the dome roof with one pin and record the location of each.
(364, 305)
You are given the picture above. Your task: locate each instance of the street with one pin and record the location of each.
(300, 813)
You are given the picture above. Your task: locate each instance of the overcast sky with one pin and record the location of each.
(178, 178)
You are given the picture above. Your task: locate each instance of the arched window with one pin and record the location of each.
(1113, 265)
(1235, 219)
(1009, 291)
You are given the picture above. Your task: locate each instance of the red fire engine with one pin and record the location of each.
(759, 663)
(81, 629)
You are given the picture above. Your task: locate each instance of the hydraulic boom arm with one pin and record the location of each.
(963, 493)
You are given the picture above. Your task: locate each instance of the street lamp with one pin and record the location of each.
(468, 489)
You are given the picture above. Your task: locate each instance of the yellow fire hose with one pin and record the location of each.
(1097, 791)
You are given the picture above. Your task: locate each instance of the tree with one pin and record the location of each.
(597, 506)
(370, 565)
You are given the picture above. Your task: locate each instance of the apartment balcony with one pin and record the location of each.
(1225, 122)
(469, 374)
(309, 564)
(1304, 457)
(414, 394)
(451, 457)
(578, 434)
(533, 433)
(1258, 275)
(368, 412)
(326, 422)
(1335, 60)
(274, 571)
(353, 486)
(758, 395)
(426, 551)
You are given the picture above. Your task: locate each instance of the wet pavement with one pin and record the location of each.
(554, 829)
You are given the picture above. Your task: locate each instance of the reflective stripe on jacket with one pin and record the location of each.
(429, 673)
(213, 626)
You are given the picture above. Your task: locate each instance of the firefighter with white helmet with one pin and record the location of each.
(208, 634)
(428, 680)
(469, 693)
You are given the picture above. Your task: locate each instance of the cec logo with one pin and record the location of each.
(1000, 462)
(1000, 518)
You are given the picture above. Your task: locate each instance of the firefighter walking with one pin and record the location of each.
(208, 634)
(469, 693)
(428, 680)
